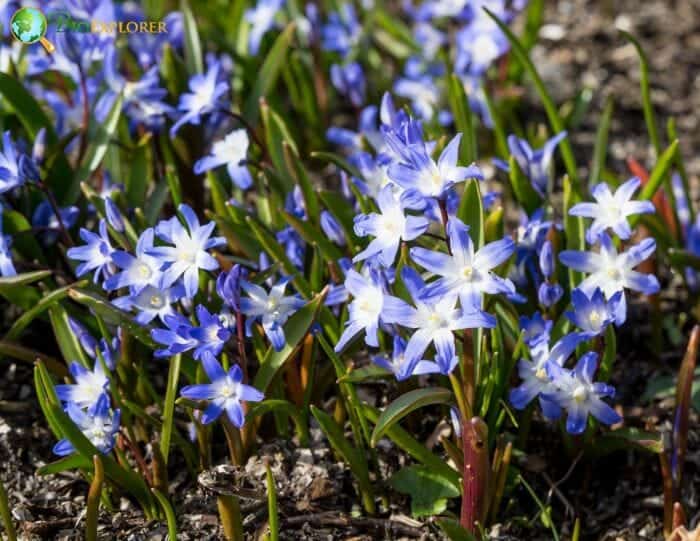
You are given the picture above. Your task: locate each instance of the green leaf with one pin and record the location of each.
(682, 258)
(555, 121)
(270, 70)
(138, 180)
(113, 315)
(405, 404)
(21, 353)
(97, 148)
(429, 491)
(17, 226)
(277, 253)
(192, 43)
(314, 235)
(657, 176)
(601, 144)
(414, 448)
(609, 354)
(277, 132)
(30, 315)
(169, 406)
(294, 331)
(10, 282)
(71, 462)
(575, 230)
(65, 337)
(453, 530)
(462, 113)
(367, 373)
(354, 459)
(471, 212)
(647, 107)
(522, 188)
(339, 161)
(628, 437)
(258, 409)
(302, 180)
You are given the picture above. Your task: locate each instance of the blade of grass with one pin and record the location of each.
(169, 407)
(93, 500)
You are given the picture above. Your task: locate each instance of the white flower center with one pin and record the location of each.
(541, 374)
(468, 272)
(144, 271)
(614, 274)
(580, 394)
(594, 318)
(156, 301)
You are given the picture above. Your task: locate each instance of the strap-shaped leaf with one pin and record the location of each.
(405, 404)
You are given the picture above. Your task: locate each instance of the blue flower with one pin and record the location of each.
(176, 337)
(417, 170)
(365, 310)
(399, 364)
(7, 268)
(226, 392)
(611, 210)
(99, 426)
(434, 322)
(137, 272)
(10, 173)
(331, 228)
(349, 80)
(228, 286)
(423, 93)
(536, 379)
(580, 396)
(271, 309)
(96, 254)
(231, 152)
(533, 163)
(151, 302)
(342, 32)
(612, 272)
(536, 329)
(189, 251)
(549, 292)
(212, 333)
(465, 272)
(88, 388)
(478, 47)
(390, 226)
(44, 217)
(592, 314)
(261, 19)
(206, 91)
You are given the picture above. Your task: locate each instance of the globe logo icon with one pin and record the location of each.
(29, 25)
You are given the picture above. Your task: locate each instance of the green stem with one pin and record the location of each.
(169, 406)
(93, 501)
(6, 515)
(230, 514)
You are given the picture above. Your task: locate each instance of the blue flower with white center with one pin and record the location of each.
(151, 302)
(418, 171)
(261, 19)
(398, 364)
(206, 91)
(10, 174)
(611, 210)
(535, 164)
(139, 271)
(592, 314)
(100, 426)
(465, 273)
(390, 226)
(374, 173)
(365, 310)
(422, 92)
(536, 381)
(7, 268)
(612, 272)
(189, 251)
(342, 32)
(96, 254)
(232, 152)
(176, 337)
(434, 322)
(349, 80)
(580, 396)
(478, 47)
(271, 309)
(332, 228)
(89, 385)
(225, 393)
(536, 329)
(212, 333)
